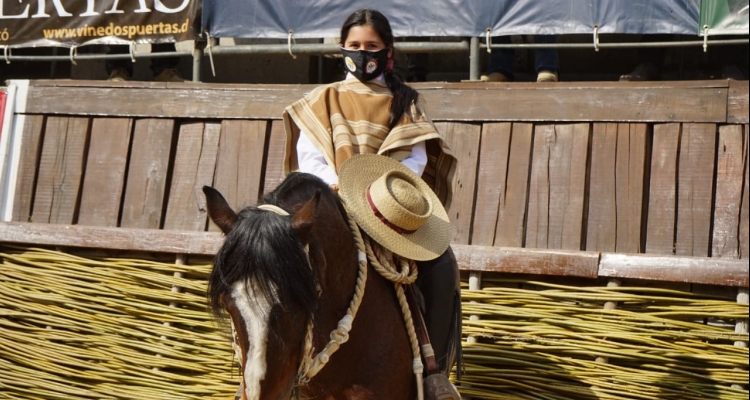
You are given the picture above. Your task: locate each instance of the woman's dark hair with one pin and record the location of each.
(403, 95)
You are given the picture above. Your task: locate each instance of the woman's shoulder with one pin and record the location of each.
(324, 89)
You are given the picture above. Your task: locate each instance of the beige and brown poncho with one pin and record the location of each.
(350, 117)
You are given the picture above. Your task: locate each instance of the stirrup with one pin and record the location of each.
(438, 387)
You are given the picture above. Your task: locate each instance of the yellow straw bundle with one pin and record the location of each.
(99, 328)
(536, 340)
(107, 328)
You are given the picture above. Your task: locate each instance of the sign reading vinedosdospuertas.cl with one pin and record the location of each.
(76, 22)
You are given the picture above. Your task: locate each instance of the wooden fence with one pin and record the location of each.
(609, 180)
(601, 168)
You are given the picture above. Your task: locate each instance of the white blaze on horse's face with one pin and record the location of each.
(255, 312)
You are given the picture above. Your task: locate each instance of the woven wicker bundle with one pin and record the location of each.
(537, 340)
(99, 328)
(105, 328)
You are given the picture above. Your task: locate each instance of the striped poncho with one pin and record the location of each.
(351, 117)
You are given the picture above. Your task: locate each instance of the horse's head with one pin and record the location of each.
(266, 276)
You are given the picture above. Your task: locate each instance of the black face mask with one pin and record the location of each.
(365, 65)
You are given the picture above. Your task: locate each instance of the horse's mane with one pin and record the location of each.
(303, 186)
(263, 248)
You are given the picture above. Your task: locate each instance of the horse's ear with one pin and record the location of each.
(218, 209)
(303, 220)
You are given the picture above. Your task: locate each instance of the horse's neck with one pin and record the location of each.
(339, 276)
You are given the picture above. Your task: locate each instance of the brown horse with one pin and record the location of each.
(279, 275)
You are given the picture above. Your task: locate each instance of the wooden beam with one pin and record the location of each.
(527, 261)
(150, 240)
(704, 270)
(715, 271)
(578, 102)
(737, 102)
(706, 84)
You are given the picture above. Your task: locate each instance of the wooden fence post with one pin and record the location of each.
(179, 260)
(741, 324)
(475, 283)
(610, 305)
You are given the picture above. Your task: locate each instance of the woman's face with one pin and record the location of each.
(364, 37)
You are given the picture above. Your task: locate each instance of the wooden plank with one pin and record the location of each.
(23, 199)
(601, 230)
(143, 204)
(623, 102)
(613, 104)
(112, 238)
(615, 200)
(537, 224)
(274, 173)
(194, 164)
(662, 202)
(705, 84)
(632, 142)
(705, 270)
(504, 86)
(557, 187)
(239, 163)
(470, 257)
(105, 171)
(527, 261)
(491, 176)
(716, 271)
(463, 139)
(60, 170)
(745, 211)
(737, 102)
(571, 190)
(695, 194)
(510, 229)
(730, 168)
(177, 101)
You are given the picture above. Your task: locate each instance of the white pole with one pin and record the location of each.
(10, 144)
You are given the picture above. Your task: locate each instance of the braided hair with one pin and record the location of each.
(404, 96)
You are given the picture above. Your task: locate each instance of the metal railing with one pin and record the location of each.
(472, 46)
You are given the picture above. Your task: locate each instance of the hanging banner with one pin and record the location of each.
(456, 18)
(724, 17)
(76, 22)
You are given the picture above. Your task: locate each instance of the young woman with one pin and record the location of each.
(372, 111)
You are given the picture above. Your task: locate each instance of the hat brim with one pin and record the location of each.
(427, 243)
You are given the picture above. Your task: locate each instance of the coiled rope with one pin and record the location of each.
(406, 274)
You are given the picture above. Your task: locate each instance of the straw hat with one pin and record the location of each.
(394, 206)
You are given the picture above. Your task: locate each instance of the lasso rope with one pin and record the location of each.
(310, 366)
(366, 249)
(406, 276)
